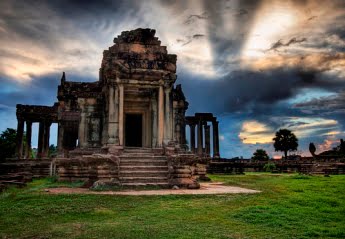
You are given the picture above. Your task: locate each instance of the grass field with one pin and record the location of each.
(290, 206)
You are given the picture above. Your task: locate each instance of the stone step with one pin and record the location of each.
(143, 168)
(137, 150)
(135, 162)
(141, 156)
(143, 180)
(145, 159)
(163, 185)
(126, 155)
(143, 174)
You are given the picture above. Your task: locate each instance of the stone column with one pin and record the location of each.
(192, 137)
(154, 120)
(121, 104)
(172, 120)
(111, 116)
(82, 131)
(28, 139)
(160, 116)
(40, 139)
(167, 131)
(117, 116)
(60, 142)
(20, 132)
(215, 139)
(207, 139)
(200, 138)
(183, 133)
(46, 139)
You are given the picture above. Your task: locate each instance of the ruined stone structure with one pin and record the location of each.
(203, 132)
(45, 116)
(132, 119)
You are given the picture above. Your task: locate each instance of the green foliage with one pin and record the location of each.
(53, 179)
(33, 154)
(8, 143)
(289, 206)
(52, 150)
(302, 176)
(285, 141)
(269, 167)
(260, 155)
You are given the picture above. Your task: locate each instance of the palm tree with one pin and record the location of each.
(285, 141)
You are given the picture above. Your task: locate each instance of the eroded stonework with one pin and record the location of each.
(134, 105)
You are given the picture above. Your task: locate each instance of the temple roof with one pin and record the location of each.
(137, 52)
(140, 36)
(37, 113)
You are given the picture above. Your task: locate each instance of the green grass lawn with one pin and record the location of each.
(290, 206)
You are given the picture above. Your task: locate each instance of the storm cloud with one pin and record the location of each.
(246, 61)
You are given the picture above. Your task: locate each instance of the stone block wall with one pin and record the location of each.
(88, 168)
(186, 170)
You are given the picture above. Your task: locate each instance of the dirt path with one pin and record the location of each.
(206, 188)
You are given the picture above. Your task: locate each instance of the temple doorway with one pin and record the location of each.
(134, 130)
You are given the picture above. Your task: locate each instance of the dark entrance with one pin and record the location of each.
(134, 130)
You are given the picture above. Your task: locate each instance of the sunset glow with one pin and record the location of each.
(257, 65)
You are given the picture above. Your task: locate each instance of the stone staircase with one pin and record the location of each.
(141, 167)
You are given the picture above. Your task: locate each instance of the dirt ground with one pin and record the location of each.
(206, 188)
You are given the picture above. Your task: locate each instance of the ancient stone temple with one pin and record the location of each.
(129, 126)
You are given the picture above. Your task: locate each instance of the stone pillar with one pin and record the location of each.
(28, 139)
(207, 140)
(121, 116)
(172, 120)
(82, 131)
(111, 116)
(215, 139)
(60, 142)
(183, 133)
(40, 139)
(20, 132)
(154, 120)
(117, 116)
(167, 131)
(46, 139)
(200, 138)
(192, 137)
(160, 116)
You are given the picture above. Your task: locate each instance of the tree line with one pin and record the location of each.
(286, 141)
(8, 142)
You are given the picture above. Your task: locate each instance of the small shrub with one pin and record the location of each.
(52, 179)
(269, 167)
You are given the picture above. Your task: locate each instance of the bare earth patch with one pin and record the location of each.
(206, 188)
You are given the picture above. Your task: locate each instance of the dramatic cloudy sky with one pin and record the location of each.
(257, 65)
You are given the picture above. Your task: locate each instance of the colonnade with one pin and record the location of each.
(43, 139)
(203, 133)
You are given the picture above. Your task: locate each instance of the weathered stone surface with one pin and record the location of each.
(88, 168)
(136, 78)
